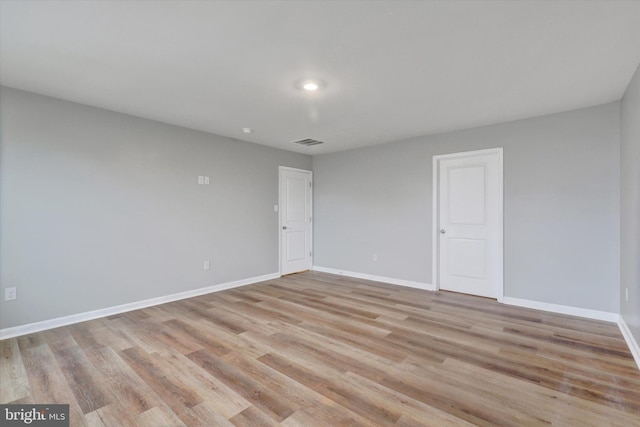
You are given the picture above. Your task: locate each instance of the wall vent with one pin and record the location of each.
(307, 142)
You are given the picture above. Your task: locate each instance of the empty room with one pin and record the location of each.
(319, 213)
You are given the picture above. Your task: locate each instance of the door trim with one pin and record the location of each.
(280, 198)
(435, 261)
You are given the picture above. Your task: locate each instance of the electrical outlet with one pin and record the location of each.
(206, 180)
(9, 294)
(626, 294)
(375, 257)
(207, 265)
(200, 180)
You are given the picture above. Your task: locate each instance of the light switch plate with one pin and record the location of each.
(9, 294)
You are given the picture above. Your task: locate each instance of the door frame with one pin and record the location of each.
(280, 199)
(499, 266)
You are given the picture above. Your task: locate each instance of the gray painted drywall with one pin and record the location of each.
(630, 206)
(99, 208)
(561, 206)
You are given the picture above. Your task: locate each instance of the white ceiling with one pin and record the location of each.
(393, 69)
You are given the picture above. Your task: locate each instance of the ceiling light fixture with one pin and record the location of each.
(247, 130)
(310, 85)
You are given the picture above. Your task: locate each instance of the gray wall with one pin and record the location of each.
(561, 206)
(99, 208)
(630, 206)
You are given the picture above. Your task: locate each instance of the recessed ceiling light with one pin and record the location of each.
(247, 130)
(310, 86)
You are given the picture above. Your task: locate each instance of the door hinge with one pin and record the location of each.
(309, 183)
(309, 253)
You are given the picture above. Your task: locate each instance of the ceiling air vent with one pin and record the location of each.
(307, 142)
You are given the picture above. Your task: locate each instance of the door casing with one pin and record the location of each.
(499, 266)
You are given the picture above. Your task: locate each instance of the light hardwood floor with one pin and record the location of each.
(315, 349)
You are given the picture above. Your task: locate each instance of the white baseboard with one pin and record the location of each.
(391, 280)
(110, 311)
(631, 341)
(563, 309)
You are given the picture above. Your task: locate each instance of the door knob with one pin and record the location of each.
(442, 231)
(284, 227)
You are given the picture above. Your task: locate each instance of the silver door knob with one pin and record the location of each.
(442, 231)
(284, 227)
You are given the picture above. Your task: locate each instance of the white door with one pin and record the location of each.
(295, 220)
(469, 226)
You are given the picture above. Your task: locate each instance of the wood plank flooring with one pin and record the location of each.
(314, 349)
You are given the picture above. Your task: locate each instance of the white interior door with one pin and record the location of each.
(469, 230)
(295, 220)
